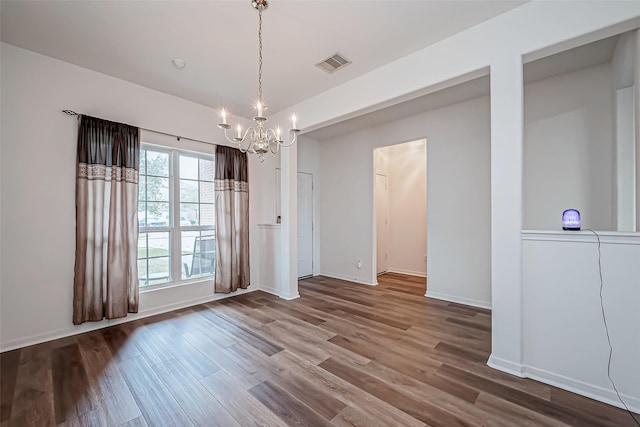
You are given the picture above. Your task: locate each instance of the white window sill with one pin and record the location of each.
(187, 282)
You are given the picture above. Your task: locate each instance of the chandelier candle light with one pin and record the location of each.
(260, 140)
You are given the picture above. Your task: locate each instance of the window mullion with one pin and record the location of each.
(176, 237)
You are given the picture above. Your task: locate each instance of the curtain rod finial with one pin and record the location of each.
(70, 112)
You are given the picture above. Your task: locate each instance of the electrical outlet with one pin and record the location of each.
(359, 264)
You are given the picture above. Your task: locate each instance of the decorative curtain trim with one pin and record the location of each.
(107, 173)
(230, 185)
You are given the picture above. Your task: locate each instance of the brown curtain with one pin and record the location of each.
(106, 271)
(232, 220)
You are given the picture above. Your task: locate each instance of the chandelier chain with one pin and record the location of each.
(260, 56)
(259, 139)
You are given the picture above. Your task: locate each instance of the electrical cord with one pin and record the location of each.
(606, 328)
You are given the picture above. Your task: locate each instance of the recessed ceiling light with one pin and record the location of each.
(178, 63)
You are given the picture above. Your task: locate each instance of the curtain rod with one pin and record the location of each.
(178, 137)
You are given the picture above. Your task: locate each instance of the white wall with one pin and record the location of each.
(458, 192)
(561, 280)
(569, 147)
(38, 186)
(406, 168)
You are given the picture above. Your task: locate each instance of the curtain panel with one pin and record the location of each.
(232, 220)
(106, 271)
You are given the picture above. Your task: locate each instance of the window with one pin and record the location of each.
(176, 216)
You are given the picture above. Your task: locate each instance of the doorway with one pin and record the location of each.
(305, 221)
(400, 209)
(305, 224)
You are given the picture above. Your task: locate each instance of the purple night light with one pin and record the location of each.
(571, 220)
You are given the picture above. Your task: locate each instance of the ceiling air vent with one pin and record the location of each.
(333, 63)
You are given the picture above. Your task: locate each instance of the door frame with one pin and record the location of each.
(278, 210)
(375, 202)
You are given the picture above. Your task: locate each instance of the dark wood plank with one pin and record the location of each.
(192, 359)
(469, 324)
(423, 411)
(117, 338)
(378, 318)
(242, 406)
(433, 381)
(310, 394)
(288, 408)
(514, 414)
(70, 384)
(33, 396)
(242, 333)
(347, 392)
(106, 382)
(9, 363)
(598, 410)
(199, 405)
(354, 417)
(225, 357)
(245, 300)
(452, 350)
(248, 311)
(564, 414)
(154, 400)
(152, 348)
(298, 314)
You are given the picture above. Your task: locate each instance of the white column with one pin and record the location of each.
(506, 212)
(636, 66)
(625, 160)
(289, 231)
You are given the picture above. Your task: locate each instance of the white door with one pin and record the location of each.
(382, 223)
(305, 224)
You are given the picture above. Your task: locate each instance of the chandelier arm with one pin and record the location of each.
(271, 148)
(292, 141)
(229, 139)
(272, 135)
(240, 141)
(246, 132)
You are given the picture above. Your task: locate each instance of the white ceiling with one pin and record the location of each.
(136, 40)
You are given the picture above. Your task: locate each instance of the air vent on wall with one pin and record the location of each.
(333, 63)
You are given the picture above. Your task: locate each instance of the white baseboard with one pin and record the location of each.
(283, 295)
(456, 299)
(92, 326)
(349, 279)
(591, 391)
(506, 366)
(407, 272)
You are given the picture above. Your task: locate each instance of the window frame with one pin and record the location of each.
(174, 227)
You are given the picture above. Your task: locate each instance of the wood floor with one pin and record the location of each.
(343, 355)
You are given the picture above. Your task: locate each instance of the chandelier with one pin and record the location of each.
(259, 139)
